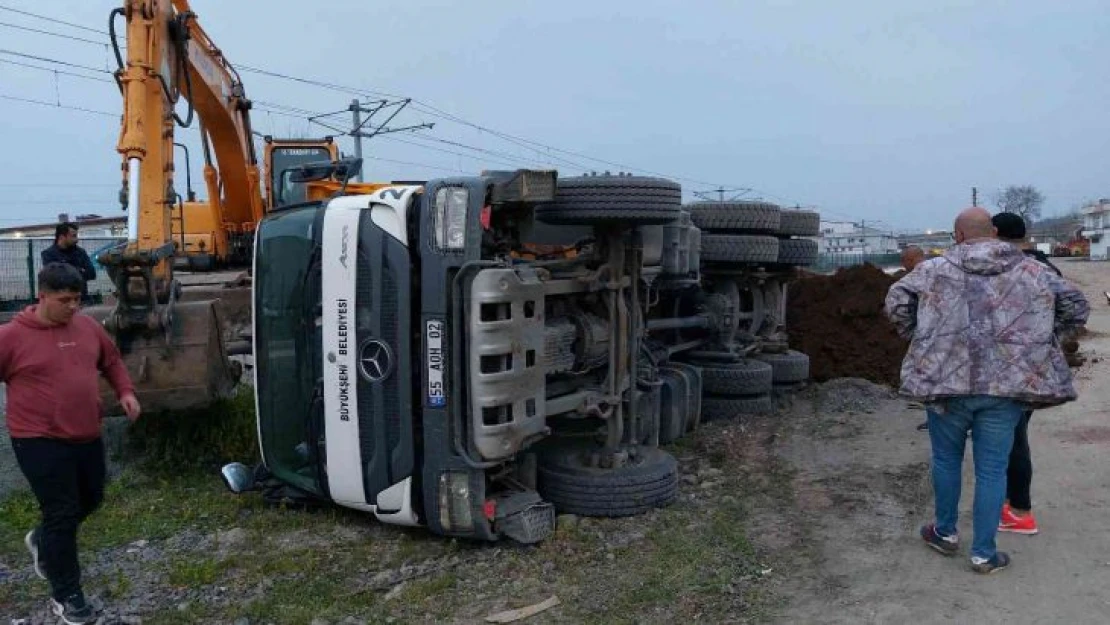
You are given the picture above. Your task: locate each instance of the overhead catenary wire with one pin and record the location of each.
(48, 32)
(6, 7)
(44, 59)
(427, 108)
(55, 71)
(550, 153)
(55, 105)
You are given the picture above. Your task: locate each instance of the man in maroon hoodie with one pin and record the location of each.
(51, 358)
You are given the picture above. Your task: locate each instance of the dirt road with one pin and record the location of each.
(861, 489)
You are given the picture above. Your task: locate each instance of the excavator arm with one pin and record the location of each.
(174, 349)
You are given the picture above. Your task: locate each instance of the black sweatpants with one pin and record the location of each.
(68, 481)
(1019, 474)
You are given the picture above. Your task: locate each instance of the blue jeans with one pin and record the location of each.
(992, 421)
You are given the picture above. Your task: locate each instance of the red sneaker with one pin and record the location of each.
(1017, 524)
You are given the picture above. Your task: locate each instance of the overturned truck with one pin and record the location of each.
(475, 354)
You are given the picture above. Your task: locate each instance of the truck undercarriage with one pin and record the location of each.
(474, 354)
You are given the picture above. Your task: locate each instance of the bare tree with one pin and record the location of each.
(1023, 200)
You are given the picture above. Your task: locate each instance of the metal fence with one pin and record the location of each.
(21, 259)
(831, 262)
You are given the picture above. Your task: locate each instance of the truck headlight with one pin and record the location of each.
(454, 501)
(450, 215)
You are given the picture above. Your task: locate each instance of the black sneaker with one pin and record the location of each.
(986, 567)
(948, 545)
(74, 610)
(32, 542)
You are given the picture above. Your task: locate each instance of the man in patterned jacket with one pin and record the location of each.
(982, 321)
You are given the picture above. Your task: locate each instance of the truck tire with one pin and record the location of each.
(572, 487)
(592, 200)
(799, 223)
(747, 377)
(739, 248)
(797, 251)
(745, 216)
(788, 367)
(728, 408)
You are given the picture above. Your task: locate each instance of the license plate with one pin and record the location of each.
(433, 336)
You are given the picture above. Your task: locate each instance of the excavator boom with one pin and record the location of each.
(174, 349)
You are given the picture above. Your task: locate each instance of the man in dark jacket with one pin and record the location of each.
(1017, 512)
(51, 358)
(1011, 229)
(65, 250)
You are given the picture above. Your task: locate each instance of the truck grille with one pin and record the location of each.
(391, 336)
(382, 290)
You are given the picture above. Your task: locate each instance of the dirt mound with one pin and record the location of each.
(838, 320)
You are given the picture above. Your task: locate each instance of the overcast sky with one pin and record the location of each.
(863, 109)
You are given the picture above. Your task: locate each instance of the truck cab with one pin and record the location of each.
(472, 354)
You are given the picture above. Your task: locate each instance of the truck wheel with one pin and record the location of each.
(797, 251)
(746, 216)
(799, 223)
(593, 200)
(788, 367)
(728, 408)
(747, 377)
(739, 248)
(646, 482)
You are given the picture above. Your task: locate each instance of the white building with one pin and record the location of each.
(1096, 228)
(845, 237)
(88, 227)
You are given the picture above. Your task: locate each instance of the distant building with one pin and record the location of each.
(88, 226)
(931, 241)
(845, 237)
(1096, 227)
(1056, 231)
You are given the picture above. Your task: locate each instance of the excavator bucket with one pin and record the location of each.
(183, 368)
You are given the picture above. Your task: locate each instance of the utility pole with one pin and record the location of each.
(358, 122)
(974, 196)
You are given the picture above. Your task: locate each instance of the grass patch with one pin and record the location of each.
(690, 561)
(196, 571)
(204, 438)
(136, 507)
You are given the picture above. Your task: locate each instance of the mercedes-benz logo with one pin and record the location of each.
(375, 360)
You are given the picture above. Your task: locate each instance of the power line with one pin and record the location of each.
(536, 146)
(44, 59)
(55, 71)
(425, 165)
(46, 183)
(4, 7)
(505, 155)
(429, 109)
(56, 105)
(51, 33)
(446, 151)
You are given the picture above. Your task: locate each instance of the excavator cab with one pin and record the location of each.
(282, 157)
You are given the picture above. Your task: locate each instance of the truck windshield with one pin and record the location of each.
(284, 159)
(286, 336)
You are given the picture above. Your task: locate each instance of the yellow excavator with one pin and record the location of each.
(173, 344)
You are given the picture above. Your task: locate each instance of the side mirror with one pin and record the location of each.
(238, 477)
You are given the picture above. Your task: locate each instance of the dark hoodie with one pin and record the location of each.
(75, 256)
(53, 372)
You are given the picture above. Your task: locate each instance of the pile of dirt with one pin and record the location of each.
(838, 321)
